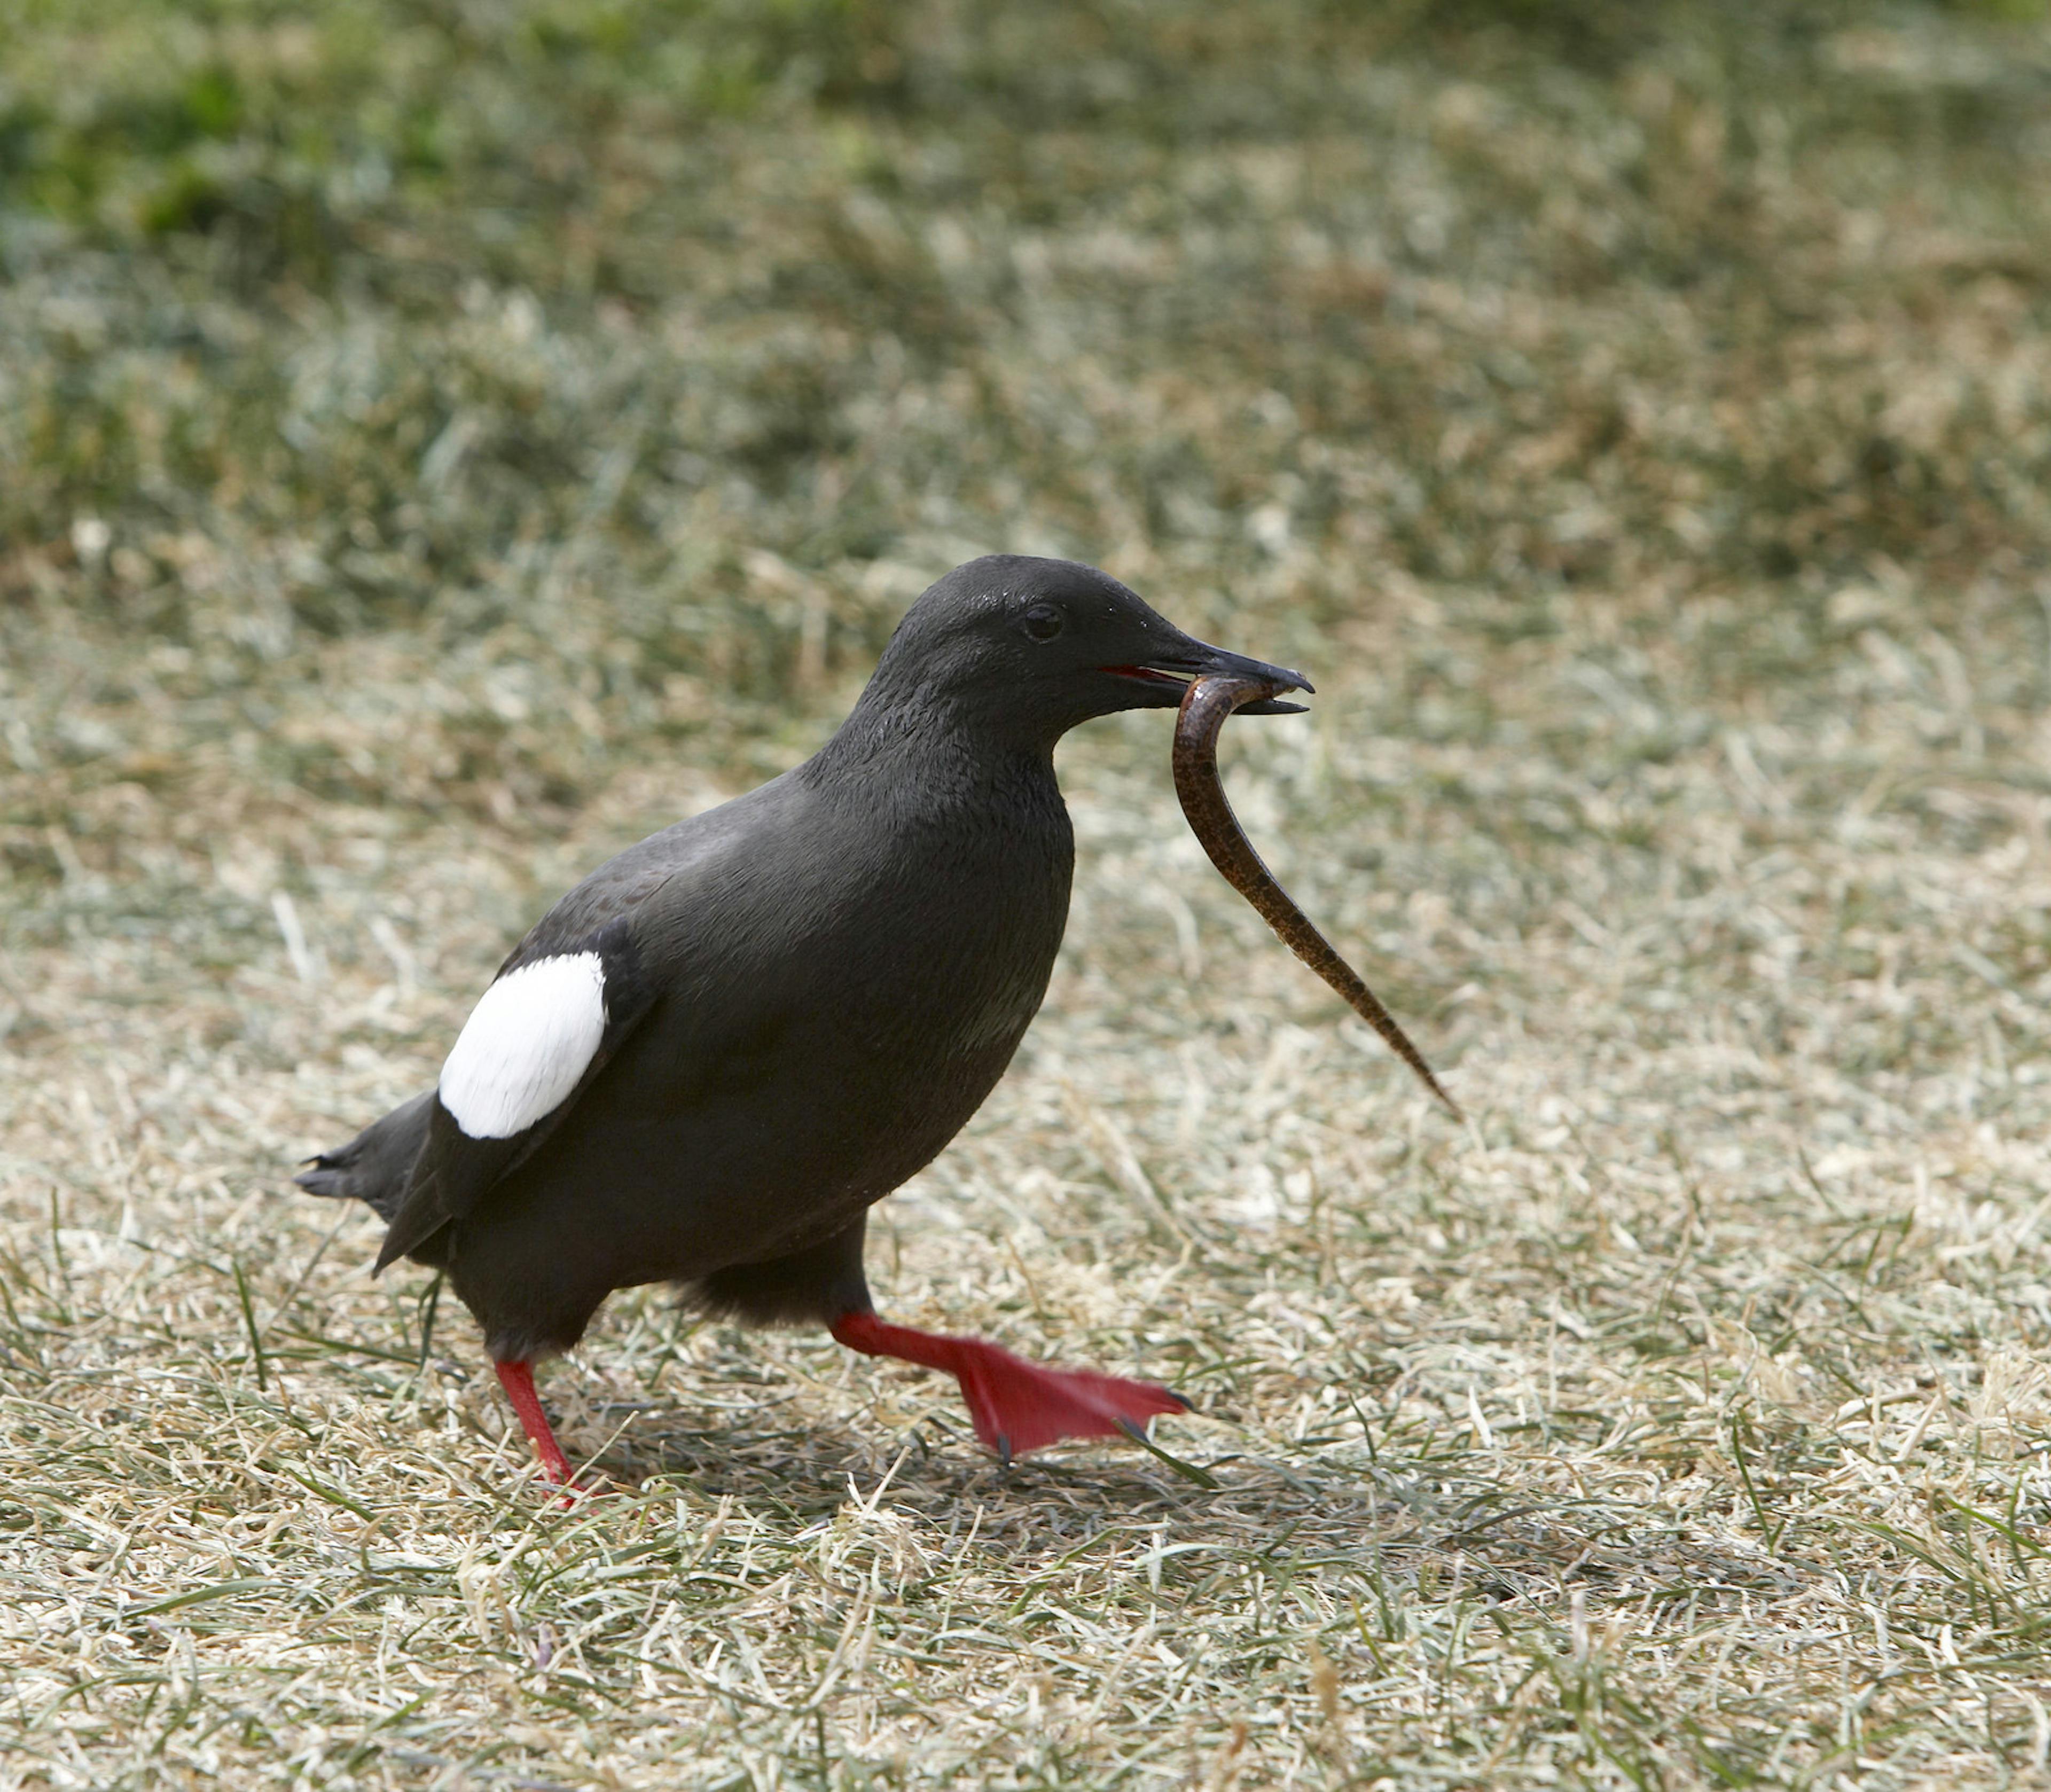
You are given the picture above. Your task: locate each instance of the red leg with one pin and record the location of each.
(1017, 1406)
(516, 1375)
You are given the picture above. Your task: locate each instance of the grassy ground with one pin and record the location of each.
(438, 444)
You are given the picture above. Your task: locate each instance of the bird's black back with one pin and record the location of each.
(842, 981)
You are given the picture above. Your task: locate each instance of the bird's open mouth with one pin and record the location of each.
(1147, 675)
(1165, 683)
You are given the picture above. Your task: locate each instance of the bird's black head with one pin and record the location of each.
(1031, 647)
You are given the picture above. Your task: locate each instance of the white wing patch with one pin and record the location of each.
(526, 1045)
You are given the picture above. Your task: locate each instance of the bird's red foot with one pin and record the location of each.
(1017, 1406)
(516, 1375)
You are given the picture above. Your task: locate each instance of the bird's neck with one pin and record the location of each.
(930, 762)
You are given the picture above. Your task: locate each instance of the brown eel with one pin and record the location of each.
(1206, 705)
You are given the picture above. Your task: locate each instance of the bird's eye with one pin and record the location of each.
(1042, 621)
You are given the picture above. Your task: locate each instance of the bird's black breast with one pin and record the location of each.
(841, 986)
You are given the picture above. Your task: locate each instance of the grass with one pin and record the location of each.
(438, 445)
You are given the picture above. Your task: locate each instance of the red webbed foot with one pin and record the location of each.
(1017, 1406)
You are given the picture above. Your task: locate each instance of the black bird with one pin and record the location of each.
(710, 1059)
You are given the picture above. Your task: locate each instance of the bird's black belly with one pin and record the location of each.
(828, 1091)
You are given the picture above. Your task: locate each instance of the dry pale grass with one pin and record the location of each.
(1683, 641)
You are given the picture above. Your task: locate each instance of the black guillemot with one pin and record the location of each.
(709, 1060)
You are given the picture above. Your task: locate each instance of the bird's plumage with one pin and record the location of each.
(709, 1059)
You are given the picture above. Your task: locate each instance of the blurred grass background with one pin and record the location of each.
(441, 442)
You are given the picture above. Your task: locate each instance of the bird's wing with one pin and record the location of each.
(559, 1008)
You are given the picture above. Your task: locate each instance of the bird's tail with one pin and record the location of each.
(375, 1166)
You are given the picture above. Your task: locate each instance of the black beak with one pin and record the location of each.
(1164, 677)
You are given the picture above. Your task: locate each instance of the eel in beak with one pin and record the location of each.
(1205, 705)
